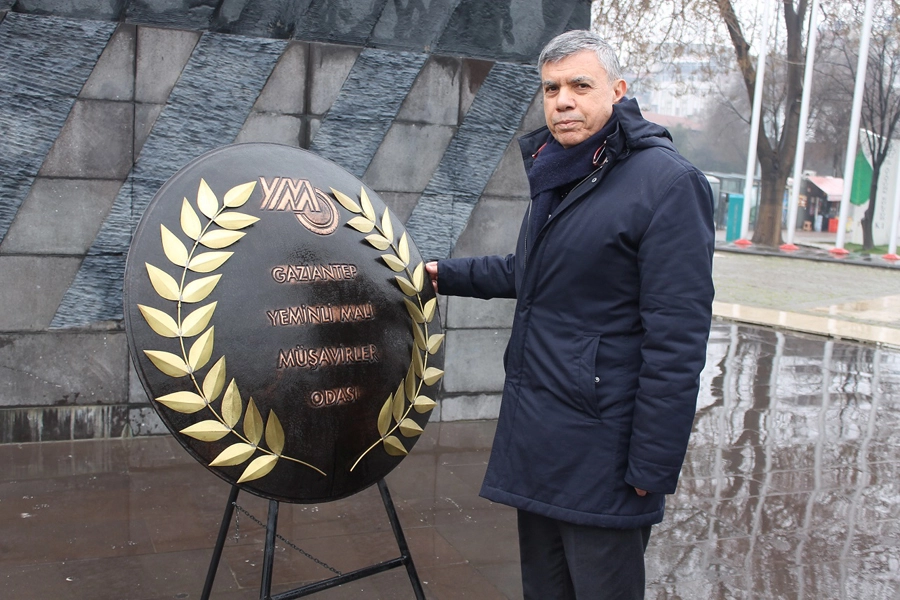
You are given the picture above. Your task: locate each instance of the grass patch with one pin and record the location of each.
(879, 250)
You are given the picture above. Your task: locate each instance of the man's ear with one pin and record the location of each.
(619, 89)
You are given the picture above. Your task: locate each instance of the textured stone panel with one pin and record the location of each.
(95, 295)
(475, 313)
(412, 24)
(185, 14)
(14, 186)
(400, 203)
(278, 129)
(105, 10)
(473, 360)
(62, 423)
(434, 98)
(113, 75)
(367, 104)
(273, 19)
(408, 156)
(492, 229)
(330, 66)
(145, 116)
(474, 72)
(534, 118)
(31, 288)
(509, 179)
(285, 91)
(471, 158)
(161, 56)
(95, 142)
(60, 216)
(39, 370)
(470, 408)
(343, 21)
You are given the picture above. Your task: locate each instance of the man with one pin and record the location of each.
(612, 276)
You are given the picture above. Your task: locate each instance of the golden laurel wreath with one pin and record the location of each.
(394, 414)
(193, 324)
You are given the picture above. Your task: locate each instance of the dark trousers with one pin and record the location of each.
(562, 561)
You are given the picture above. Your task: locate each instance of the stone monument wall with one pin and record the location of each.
(102, 101)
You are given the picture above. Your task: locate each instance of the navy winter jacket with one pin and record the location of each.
(613, 310)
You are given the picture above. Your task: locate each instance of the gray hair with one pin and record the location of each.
(575, 41)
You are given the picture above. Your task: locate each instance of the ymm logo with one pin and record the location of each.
(312, 207)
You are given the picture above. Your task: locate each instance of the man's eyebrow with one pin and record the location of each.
(576, 79)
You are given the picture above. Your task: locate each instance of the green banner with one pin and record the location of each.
(862, 180)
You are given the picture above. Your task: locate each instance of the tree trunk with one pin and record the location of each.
(869, 217)
(771, 202)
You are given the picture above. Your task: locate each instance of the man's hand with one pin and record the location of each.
(431, 269)
(640, 492)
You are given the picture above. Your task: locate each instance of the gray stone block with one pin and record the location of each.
(330, 66)
(95, 142)
(41, 370)
(285, 91)
(60, 216)
(145, 421)
(509, 179)
(161, 56)
(113, 75)
(434, 98)
(475, 313)
(473, 74)
(313, 125)
(62, 423)
(408, 156)
(136, 393)
(401, 204)
(470, 408)
(95, 295)
(473, 360)
(534, 118)
(265, 127)
(492, 229)
(31, 288)
(145, 116)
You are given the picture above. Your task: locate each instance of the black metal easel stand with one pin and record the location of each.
(265, 593)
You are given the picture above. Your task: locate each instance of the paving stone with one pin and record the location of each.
(493, 228)
(278, 129)
(473, 360)
(475, 313)
(60, 216)
(510, 179)
(470, 408)
(39, 370)
(285, 91)
(408, 156)
(434, 98)
(161, 56)
(32, 287)
(329, 65)
(113, 75)
(95, 142)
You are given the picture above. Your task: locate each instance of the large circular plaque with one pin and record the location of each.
(281, 320)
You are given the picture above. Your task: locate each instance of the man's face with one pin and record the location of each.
(578, 97)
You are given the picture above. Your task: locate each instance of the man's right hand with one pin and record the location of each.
(431, 268)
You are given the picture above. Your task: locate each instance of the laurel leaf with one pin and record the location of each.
(274, 434)
(234, 454)
(184, 402)
(423, 404)
(393, 262)
(411, 382)
(387, 228)
(399, 403)
(418, 365)
(232, 405)
(394, 447)
(159, 321)
(175, 251)
(253, 424)
(384, 416)
(410, 428)
(366, 204)
(419, 336)
(190, 222)
(429, 310)
(206, 431)
(206, 200)
(403, 248)
(168, 363)
(164, 284)
(418, 278)
(197, 321)
(346, 201)
(214, 380)
(239, 194)
(199, 289)
(260, 467)
(201, 350)
(432, 375)
(405, 286)
(235, 220)
(220, 238)
(378, 241)
(434, 343)
(208, 261)
(361, 224)
(414, 311)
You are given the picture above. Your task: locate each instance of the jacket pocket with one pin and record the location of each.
(588, 379)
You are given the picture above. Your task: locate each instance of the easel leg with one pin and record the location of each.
(405, 555)
(220, 543)
(265, 591)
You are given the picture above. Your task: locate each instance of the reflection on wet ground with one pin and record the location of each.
(790, 490)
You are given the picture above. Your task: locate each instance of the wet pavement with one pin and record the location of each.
(791, 487)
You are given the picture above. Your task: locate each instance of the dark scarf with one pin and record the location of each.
(556, 170)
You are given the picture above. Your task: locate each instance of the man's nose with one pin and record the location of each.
(565, 100)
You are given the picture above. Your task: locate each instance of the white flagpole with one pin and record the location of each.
(892, 244)
(754, 124)
(801, 134)
(853, 137)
